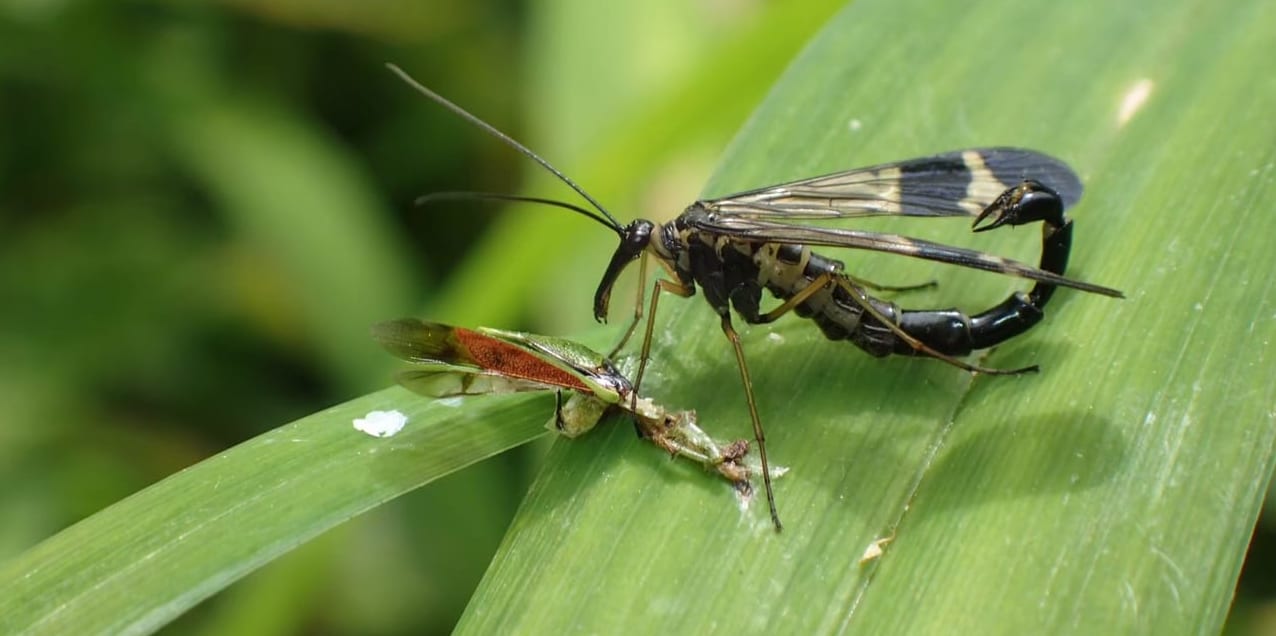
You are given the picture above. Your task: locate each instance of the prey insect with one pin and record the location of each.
(734, 247)
(454, 361)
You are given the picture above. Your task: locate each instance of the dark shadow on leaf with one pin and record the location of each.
(1062, 452)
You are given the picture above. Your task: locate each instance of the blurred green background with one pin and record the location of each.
(203, 207)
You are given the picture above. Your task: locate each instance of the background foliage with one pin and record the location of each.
(203, 207)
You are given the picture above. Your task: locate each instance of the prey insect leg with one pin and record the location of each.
(559, 423)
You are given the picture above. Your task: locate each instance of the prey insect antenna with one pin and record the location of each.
(499, 196)
(491, 130)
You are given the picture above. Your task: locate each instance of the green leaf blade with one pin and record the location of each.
(1115, 491)
(135, 566)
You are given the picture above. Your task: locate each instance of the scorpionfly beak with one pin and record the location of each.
(633, 240)
(602, 297)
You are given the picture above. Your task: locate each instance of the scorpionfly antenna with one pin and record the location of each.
(500, 196)
(491, 130)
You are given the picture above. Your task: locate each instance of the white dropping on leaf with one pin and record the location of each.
(875, 549)
(381, 423)
(1133, 100)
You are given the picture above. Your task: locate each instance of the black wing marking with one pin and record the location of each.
(957, 183)
(773, 232)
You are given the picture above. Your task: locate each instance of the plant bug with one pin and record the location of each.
(454, 361)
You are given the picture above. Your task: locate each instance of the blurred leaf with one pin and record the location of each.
(138, 564)
(277, 599)
(297, 199)
(1114, 492)
(389, 19)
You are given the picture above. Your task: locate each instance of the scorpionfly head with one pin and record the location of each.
(633, 240)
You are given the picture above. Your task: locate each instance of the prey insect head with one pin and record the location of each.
(1029, 201)
(634, 238)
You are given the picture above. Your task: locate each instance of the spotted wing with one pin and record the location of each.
(957, 183)
(763, 231)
